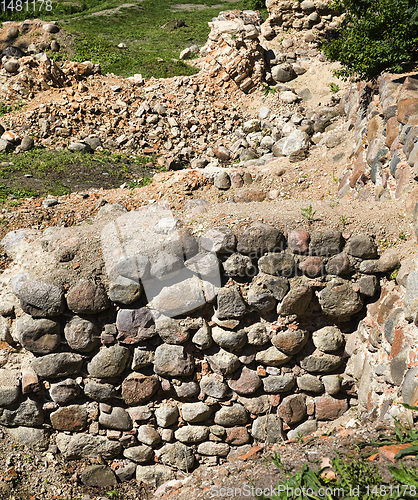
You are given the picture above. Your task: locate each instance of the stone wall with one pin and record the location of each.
(131, 337)
(306, 15)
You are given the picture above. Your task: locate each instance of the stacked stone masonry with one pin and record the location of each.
(187, 350)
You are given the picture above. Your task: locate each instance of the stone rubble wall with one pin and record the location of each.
(384, 159)
(306, 15)
(179, 349)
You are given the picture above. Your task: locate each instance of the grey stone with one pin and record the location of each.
(9, 386)
(293, 409)
(27, 413)
(389, 260)
(229, 416)
(319, 362)
(117, 419)
(40, 299)
(303, 429)
(268, 429)
(171, 331)
(6, 146)
(223, 362)
(238, 265)
(229, 339)
(203, 264)
(222, 180)
(272, 357)
(257, 334)
(258, 239)
(125, 292)
(368, 285)
(187, 390)
(154, 475)
(140, 454)
(195, 412)
(332, 384)
(173, 360)
(277, 264)
(142, 358)
(283, 73)
(324, 117)
(296, 141)
(166, 265)
(251, 126)
(362, 246)
(219, 240)
(230, 303)
(411, 297)
(339, 299)
(99, 391)
(214, 386)
(27, 143)
(297, 300)
(64, 391)
(134, 267)
(99, 476)
(369, 266)
(81, 147)
(410, 386)
(310, 383)
(109, 362)
(81, 334)
(213, 449)
(177, 455)
(41, 336)
(11, 66)
(202, 338)
(57, 365)
(328, 339)
(275, 384)
(256, 405)
(148, 435)
(80, 446)
(326, 243)
(181, 298)
(36, 439)
(166, 415)
(126, 473)
(191, 433)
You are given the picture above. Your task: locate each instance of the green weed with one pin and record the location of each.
(333, 87)
(309, 214)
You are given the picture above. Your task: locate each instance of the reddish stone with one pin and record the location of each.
(298, 241)
(291, 341)
(138, 388)
(236, 180)
(293, 409)
(87, 298)
(398, 341)
(381, 309)
(387, 453)
(247, 382)
(359, 169)
(69, 418)
(247, 195)
(373, 128)
(406, 108)
(30, 382)
(329, 408)
(312, 267)
(392, 130)
(237, 436)
(343, 181)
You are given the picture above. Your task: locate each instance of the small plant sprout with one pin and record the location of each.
(333, 87)
(112, 493)
(343, 220)
(309, 214)
(267, 89)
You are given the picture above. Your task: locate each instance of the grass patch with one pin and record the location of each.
(40, 172)
(149, 50)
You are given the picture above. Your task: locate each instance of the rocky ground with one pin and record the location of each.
(204, 119)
